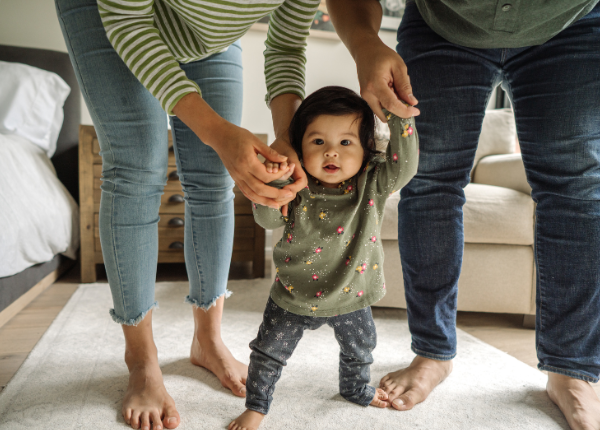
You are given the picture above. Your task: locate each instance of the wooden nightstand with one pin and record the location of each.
(249, 237)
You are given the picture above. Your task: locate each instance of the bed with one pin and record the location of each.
(59, 207)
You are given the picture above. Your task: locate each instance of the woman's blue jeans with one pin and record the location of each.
(555, 91)
(132, 132)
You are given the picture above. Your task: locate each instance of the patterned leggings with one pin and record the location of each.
(278, 336)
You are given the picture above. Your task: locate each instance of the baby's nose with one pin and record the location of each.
(331, 153)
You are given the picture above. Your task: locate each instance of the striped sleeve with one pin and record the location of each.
(130, 28)
(285, 56)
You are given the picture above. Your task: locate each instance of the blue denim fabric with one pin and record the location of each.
(279, 335)
(132, 132)
(555, 91)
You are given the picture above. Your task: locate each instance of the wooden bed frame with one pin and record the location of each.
(19, 290)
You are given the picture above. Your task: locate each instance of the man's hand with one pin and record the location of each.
(384, 81)
(382, 74)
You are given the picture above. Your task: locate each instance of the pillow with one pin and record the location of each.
(31, 104)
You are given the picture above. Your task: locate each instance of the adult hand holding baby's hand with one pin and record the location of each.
(283, 147)
(237, 148)
(384, 81)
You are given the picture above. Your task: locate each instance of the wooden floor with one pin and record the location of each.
(22, 332)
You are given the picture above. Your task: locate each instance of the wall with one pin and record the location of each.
(328, 63)
(33, 23)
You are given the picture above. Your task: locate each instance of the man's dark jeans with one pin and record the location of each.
(555, 91)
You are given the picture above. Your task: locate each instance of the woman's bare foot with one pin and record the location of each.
(216, 357)
(249, 420)
(381, 399)
(209, 351)
(410, 386)
(146, 403)
(576, 399)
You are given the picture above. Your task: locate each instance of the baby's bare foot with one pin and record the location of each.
(249, 420)
(410, 386)
(576, 399)
(216, 357)
(146, 404)
(381, 399)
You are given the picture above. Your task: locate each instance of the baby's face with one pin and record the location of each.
(331, 149)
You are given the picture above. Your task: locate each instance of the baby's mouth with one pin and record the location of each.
(331, 168)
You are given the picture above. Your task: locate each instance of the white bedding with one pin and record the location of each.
(38, 216)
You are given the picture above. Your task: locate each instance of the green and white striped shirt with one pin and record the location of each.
(154, 36)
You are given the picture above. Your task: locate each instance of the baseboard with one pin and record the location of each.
(19, 304)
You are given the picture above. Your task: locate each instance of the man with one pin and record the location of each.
(547, 57)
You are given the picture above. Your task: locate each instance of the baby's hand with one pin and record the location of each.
(275, 167)
(381, 399)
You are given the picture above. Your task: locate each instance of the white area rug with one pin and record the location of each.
(75, 377)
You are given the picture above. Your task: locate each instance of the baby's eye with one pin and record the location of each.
(345, 142)
(319, 141)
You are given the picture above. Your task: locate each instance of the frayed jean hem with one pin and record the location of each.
(569, 373)
(212, 303)
(438, 357)
(132, 321)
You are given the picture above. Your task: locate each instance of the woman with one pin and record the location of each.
(136, 59)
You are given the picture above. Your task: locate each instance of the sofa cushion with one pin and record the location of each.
(498, 134)
(504, 170)
(491, 215)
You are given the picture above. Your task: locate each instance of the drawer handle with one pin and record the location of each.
(176, 245)
(174, 176)
(176, 222)
(176, 198)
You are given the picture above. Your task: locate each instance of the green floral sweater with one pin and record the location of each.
(329, 260)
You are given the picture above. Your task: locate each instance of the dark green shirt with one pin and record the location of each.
(329, 260)
(501, 23)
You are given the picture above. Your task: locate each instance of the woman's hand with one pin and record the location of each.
(284, 148)
(239, 156)
(238, 149)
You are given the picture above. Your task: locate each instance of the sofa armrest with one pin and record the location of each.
(505, 170)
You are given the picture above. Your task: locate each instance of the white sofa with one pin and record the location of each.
(498, 273)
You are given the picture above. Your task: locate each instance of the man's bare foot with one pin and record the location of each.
(381, 399)
(576, 399)
(146, 403)
(410, 386)
(216, 357)
(249, 420)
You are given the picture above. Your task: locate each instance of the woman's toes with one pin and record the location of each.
(145, 418)
(171, 419)
(156, 422)
(135, 420)
(238, 389)
(127, 415)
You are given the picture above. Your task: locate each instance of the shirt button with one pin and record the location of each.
(506, 7)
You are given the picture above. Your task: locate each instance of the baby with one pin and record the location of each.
(329, 261)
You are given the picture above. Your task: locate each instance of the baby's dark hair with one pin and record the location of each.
(336, 101)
